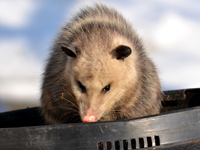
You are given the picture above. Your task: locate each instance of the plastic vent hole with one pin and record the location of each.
(157, 140)
(141, 141)
(109, 146)
(149, 141)
(117, 145)
(133, 144)
(100, 145)
(125, 144)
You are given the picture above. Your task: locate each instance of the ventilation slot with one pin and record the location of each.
(130, 144)
(149, 142)
(109, 146)
(141, 141)
(133, 143)
(125, 144)
(157, 140)
(100, 145)
(117, 145)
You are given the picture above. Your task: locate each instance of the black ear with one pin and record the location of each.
(69, 51)
(121, 52)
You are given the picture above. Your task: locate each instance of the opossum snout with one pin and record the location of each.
(89, 116)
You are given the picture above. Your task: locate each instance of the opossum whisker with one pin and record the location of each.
(71, 114)
(68, 95)
(71, 109)
(65, 108)
(71, 102)
(72, 105)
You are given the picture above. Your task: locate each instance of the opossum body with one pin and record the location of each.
(98, 71)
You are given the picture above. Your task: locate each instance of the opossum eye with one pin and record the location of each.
(83, 89)
(69, 51)
(106, 88)
(121, 52)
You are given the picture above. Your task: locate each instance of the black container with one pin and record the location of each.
(176, 128)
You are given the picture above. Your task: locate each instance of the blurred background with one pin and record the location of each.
(170, 31)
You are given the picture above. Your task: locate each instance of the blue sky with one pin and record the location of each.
(170, 31)
(40, 24)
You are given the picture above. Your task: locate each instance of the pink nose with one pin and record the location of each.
(89, 116)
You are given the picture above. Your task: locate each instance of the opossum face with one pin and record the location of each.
(99, 79)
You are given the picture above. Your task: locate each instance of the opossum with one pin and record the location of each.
(98, 70)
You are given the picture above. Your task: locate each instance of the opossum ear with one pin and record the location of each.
(69, 51)
(121, 52)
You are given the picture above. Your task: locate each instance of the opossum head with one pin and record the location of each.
(99, 75)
